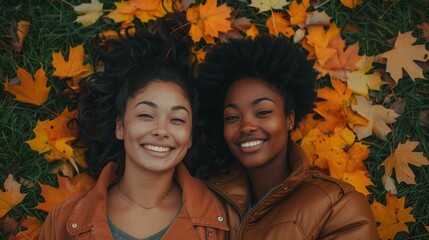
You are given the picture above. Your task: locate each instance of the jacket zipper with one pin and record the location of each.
(229, 201)
(248, 214)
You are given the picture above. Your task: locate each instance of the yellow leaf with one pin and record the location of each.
(403, 55)
(29, 90)
(40, 142)
(392, 217)
(318, 39)
(73, 66)
(89, 12)
(252, 31)
(267, 5)
(399, 160)
(151, 10)
(351, 3)
(298, 11)
(277, 24)
(360, 82)
(378, 117)
(12, 195)
(208, 20)
(359, 180)
(124, 12)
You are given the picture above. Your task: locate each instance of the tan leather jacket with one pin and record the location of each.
(84, 216)
(306, 205)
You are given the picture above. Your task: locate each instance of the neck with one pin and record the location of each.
(268, 176)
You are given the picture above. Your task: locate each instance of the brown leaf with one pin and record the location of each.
(12, 195)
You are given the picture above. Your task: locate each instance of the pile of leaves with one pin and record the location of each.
(370, 126)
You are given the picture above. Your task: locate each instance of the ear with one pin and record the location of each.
(290, 120)
(119, 131)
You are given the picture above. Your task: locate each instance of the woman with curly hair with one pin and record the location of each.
(254, 92)
(136, 119)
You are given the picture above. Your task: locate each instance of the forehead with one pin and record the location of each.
(162, 93)
(247, 89)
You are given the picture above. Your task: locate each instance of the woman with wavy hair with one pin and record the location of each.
(136, 119)
(254, 92)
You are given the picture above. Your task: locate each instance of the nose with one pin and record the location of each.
(160, 130)
(247, 126)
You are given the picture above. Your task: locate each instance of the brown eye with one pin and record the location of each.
(263, 113)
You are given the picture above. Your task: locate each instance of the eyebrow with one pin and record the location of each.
(254, 102)
(154, 105)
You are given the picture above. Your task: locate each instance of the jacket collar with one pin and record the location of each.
(200, 206)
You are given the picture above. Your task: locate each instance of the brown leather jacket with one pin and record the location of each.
(306, 205)
(84, 216)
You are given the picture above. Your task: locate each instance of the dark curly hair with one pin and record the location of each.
(156, 52)
(276, 60)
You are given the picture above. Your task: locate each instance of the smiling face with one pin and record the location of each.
(255, 124)
(156, 127)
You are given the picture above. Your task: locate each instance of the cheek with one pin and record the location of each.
(228, 134)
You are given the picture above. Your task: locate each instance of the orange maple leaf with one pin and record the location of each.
(403, 55)
(73, 66)
(317, 41)
(252, 31)
(343, 59)
(401, 157)
(298, 11)
(208, 20)
(22, 29)
(53, 196)
(359, 180)
(392, 216)
(12, 195)
(32, 231)
(351, 3)
(124, 12)
(277, 24)
(29, 89)
(151, 10)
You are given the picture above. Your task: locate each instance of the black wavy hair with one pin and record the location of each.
(157, 52)
(274, 59)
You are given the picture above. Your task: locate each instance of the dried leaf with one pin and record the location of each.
(73, 66)
(208, 20)
(252, 31)
(29, 90)
(23, 27)
(378, 117)
(317, 18)
(12, 195)
(8, 225)
(124, 12)
(403, 55)
(351, 3)
(277, 24)
(267, 5)
(298, 11)
(389, 184)
(359, 180)
(151, 10)
(318, 40)
(360, 82)
(89, 12)
(343, 59)
(392, 217)
(399, 160)
(424, 26)
(33, 227)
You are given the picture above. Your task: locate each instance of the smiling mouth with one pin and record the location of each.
(251, 143)
(157, 148)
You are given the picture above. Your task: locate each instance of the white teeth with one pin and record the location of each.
(157, 148)
(251, 143)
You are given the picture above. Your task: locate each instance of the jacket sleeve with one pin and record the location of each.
(351, 218)
(48, 230)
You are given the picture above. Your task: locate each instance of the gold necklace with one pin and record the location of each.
(161, 200)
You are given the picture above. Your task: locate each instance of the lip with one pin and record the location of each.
(157, 150)
(250, 144)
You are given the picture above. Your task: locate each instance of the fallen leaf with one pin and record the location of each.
(399, 160)
(89, 12)
(252, 31)
(73, 66)
(29, 90)
(343, 59)
(378, 117)
(12, 195)
(392, 216)
(124, 12)
(359, 180)
(317, 18)
(8, 225)
(318, 39)
(403, 55)
(360, 82)
(389, 184)
(351, 3)
(208, 20)
(298, 11)
(277, 24)
(22, 29)
(151, 10)
(32, 231)
(267, 5)
(299, 35)
(424, 26)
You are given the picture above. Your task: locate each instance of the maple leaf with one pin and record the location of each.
(399, 160)
(392, 217)
(277, 24)
(32, 231)
(22, 29)
(317, 41)
(8, 225)
(298, 11)
(378, 117)
(54, 195)
(403, 55)
(343, 59)
(359, 180)
(252, 31)
(208, 20)
(73, 66)
(317, 18)
(351, 3)
(389, 184)
(360, 82)
(89, 12)
(29, 90)
(12, 195)
(151, 10)
(124, 12)
(267, 5)
(424, 26)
